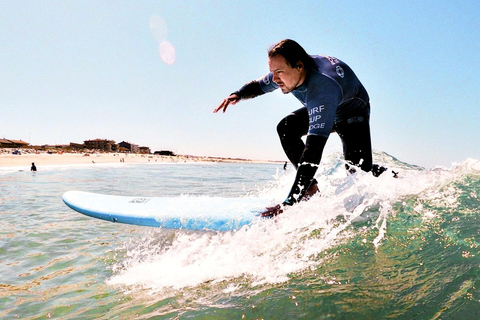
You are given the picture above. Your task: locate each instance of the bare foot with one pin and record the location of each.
(311, 191)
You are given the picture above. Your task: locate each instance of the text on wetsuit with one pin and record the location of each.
(314, 117)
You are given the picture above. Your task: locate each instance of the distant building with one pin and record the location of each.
(101, 144)
(144, 150)
(165, 153)
(8, 143)
(50, 147)
(74, 145)
(133, 148)
(4, 143)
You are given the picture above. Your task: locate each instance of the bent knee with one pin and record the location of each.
(282, 126)
(292, 125)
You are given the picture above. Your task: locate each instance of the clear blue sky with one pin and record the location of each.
(77, 70)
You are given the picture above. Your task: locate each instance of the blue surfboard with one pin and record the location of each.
(184, 212)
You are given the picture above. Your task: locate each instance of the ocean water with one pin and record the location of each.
(365, 248)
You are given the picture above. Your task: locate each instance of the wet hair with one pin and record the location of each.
(292, 52)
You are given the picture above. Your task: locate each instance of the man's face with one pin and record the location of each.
(286, 77)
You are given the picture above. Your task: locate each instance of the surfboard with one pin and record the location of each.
(184, 212)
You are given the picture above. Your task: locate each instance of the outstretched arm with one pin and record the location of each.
(248, 91)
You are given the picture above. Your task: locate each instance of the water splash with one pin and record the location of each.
(271, 251)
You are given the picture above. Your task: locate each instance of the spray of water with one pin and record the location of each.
(270, 251)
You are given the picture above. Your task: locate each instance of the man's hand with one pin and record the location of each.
(232, 99)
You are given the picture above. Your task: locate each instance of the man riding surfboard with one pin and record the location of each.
(334, 100)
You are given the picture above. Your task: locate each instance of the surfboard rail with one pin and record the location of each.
(184, 212)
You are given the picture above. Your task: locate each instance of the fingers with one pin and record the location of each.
(233, 99)
(223, 106)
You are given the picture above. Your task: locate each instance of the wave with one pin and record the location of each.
(349, 211)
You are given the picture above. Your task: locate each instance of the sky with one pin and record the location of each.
(151, 73)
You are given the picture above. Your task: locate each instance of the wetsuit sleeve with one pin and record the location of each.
(250, 90)
(256, 88)
(308, 167)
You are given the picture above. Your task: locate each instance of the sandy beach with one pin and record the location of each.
(7, 159)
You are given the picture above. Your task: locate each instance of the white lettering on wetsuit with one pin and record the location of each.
(331, 91)
(314, 118)
(333, 61)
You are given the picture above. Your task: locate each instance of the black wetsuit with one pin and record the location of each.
(334, 100)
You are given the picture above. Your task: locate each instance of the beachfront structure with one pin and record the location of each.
(101, 144)
(144, 150)
(8, 143)
(133, 148)
(78, 146)
(165, 153)
(4, 143)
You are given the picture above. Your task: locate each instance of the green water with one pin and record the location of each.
(412, 253)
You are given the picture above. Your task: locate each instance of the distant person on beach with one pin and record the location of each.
(33, 168)
(333, 99)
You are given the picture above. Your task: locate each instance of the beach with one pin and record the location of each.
(25, 159)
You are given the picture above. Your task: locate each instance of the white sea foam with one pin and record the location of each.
(269, 251)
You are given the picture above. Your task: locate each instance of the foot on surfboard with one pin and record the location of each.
(271, 212)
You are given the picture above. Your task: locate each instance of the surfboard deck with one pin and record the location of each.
(184, 212)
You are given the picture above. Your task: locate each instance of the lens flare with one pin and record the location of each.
(167, 52)
(158, 27)
(159, 30)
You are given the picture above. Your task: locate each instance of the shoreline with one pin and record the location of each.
(25, 160)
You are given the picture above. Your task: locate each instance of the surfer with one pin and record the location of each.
(333, 99)
(33, 167)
